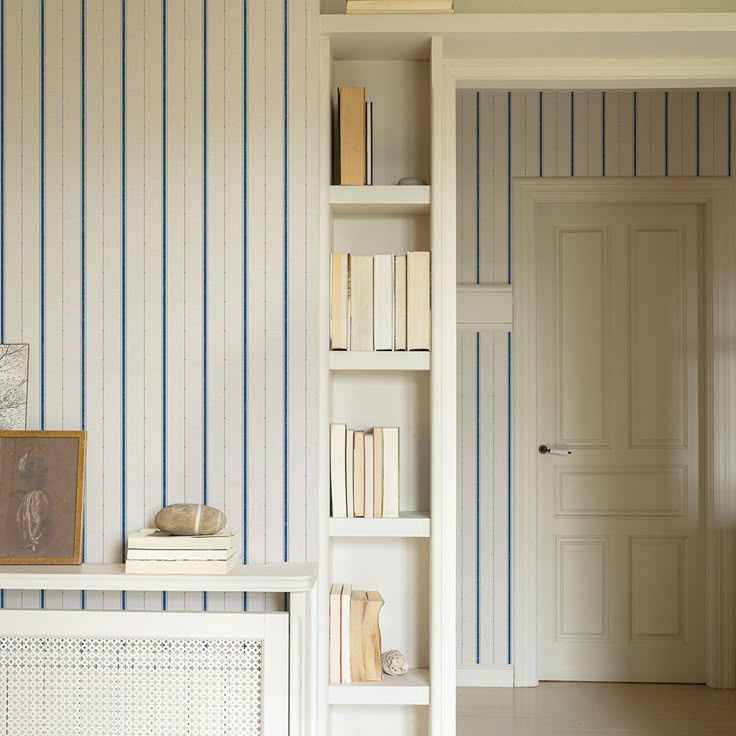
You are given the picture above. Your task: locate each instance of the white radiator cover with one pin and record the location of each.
(168, 681)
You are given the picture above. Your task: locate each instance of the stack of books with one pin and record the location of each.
(355, 636)
(399, 6)
(381, 302)
(355, 137)
(154, 551)
(364, 472)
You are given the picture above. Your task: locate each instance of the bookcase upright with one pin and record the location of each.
(410, 560)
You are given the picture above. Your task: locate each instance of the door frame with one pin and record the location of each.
(718, 413)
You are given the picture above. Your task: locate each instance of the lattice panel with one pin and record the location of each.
(130, 686)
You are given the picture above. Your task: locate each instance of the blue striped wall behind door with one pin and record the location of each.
(157, 201)
(505, 134)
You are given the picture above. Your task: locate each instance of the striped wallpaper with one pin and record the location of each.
(506, 134)
(158, 237)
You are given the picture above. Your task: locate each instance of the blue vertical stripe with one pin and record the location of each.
(204, 264)
(508, 187)
(635, 130)
(83, 246)
(666, 133)
(541, 137)
(728, 113)
(477, 187)
(509, 499)
(164, 262)
(42, 264)
(572, 134)
(164, 277)
(123, 293)
(245, 290)
(2, 178)
(42, 213)
(204, 254)
(286, 280)
(603, 133)
(477, 498)
(697, 133)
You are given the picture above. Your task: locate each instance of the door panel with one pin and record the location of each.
(620, 547)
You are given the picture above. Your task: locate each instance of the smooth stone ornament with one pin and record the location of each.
(190, 519)
(394, 663)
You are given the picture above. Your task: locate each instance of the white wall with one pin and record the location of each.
(506, 134)
(158, 250)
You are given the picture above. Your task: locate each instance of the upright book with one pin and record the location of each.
(361, 302)
(339, 324)
(345, 633)
(352, 132)
(383, 302)
(338, 483)
(391, 472)
(418, 301)
(399, 302)
(359, 474)
(335, 634)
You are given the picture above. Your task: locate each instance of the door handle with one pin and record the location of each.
(544, 450)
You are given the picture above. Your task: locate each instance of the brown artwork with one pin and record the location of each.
(41, 487)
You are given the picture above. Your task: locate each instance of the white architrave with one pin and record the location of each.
(719, 410)
(443, 399)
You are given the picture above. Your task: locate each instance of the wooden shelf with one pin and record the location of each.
(278, 577)
(403, 360)
(409, 524)
(380, 200)
(409, 689)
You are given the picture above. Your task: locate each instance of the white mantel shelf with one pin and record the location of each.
(278, 577)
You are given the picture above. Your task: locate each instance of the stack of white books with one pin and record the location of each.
(153, 551)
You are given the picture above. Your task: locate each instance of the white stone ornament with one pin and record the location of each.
(394, 663)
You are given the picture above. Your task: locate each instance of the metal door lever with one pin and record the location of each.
(544, 450)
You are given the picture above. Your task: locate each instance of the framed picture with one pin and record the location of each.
(41, 489)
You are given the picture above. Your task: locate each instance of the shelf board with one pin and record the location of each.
(409, 524)
(276, 577)
(400, 360)
(380, 200)
(409, 689)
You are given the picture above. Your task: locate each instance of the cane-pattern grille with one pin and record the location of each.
(64, 686)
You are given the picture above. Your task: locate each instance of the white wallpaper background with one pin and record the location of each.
(158, 240)
(159, 212)
(505, 134)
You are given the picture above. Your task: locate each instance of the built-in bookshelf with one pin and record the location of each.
(399, 557)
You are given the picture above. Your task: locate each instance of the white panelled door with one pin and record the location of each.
(621, 589)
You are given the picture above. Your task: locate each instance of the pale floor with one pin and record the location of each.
(596, 709)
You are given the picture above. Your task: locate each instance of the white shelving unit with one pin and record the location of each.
(409, 689)
(411, 559)
(348, 360)
(380, 200)
(409, 524)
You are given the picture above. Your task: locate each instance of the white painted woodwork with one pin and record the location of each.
(414, 391)
(380, 200)
(413, 688)
(484, 308)
(400, 360)
(276, 577)
(541, 140)
(621, 591)
(271, 675)
(409, 524)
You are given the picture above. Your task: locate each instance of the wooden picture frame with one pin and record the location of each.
(41, 497)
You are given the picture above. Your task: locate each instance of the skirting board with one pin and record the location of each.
(501, 675)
